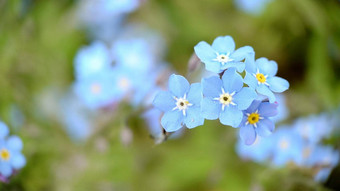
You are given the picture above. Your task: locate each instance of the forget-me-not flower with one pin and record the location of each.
(11, 157)
(256, 121)
(260, 75)
(4, 131)
(259, 151)
(254, 7)
(92, 60)
(226, 98)
(181, 104)
(222, 55)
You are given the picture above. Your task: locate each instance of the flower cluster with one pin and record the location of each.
(300, 144)
(11, 158)
(227, 98)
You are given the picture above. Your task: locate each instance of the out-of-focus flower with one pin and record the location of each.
(181, 104)
(315, 127)
(225, 99)
(282, 110)
(134, 55)
(254, 7)
(76, 118)
(99, 90)
(91, 60)
(287, 147)
(256, 121)
(222, 55)
(4, 131)
(259, 151)
(11, 157)
(260, 75)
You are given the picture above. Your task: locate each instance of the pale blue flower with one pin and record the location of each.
(226, 98)
(260, 75)
(181, 104)
(259, 151)
(4, 131)
(288, 147)
(91, 60)
(11, 157)
(256, 121)
(282, 109)
(222, 55)
(254, 7)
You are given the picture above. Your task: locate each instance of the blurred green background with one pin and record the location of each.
(39, 39)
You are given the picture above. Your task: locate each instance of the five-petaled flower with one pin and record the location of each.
(260, 75)
(256, 121)
(181, 104)
(222, 54)
(226, 98)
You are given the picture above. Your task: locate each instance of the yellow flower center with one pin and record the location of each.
(4, 154)
(253, 118)
(124, 83)
(283, 144)
(261, 78)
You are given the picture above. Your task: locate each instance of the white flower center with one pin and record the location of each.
(225, 99)
(124, 83)
(182, 104)
(222, 58)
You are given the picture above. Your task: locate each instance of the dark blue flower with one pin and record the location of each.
(256, 121)
(181, 104)
(226, 98)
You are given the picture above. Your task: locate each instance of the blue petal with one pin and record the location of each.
(4, 130)
(250, 64)
(268, 109)
(264, 90)
(172, 120)
(18, 161)
(164, 101)
(205, 52)
(238, 65)
(247, 134)
(224, 44)
(193, 117)
(213, 66)
(195, 94)
(277, 84)
(242, 53)
(14, 143)
(254, 106)
(231, 116)
(267, 67)
(250, 80)
(5, 169)
(178, 85)
(265, 127)
(244, 98)
(210, 109)
(232, 81)
(212, 86)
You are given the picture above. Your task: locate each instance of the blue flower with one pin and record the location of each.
(181, 104)
(314, 128)
(92, 60)
(4, 131)
(222, 54)
(152, 118)
(259, 151)
(225, 99)
(10, 155)
(287, 147)
(260, 75)
(99, 90)
(282, 109)
(256, 121)
(133, 54)
(254, 7)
